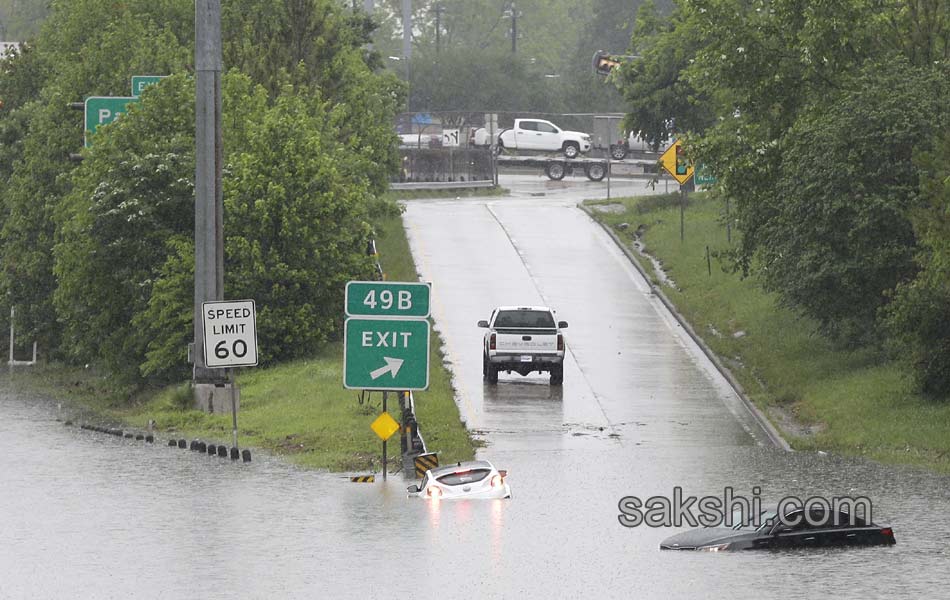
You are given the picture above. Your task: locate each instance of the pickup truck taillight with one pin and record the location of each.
(560, 343)
(491, 342)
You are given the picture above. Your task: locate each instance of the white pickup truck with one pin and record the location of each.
(523, 339)
(535, 134)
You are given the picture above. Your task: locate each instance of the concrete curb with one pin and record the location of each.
(772, 433)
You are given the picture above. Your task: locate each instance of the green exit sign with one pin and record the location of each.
(387, 299)
(140, 82)
(386, 354)
(102, 110)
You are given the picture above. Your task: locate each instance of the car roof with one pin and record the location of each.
(468, 465)
(545, 308)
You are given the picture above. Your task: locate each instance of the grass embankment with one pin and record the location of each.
(820, 396)
(297, 409)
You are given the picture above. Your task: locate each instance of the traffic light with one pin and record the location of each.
(604, 63)
(682, 166)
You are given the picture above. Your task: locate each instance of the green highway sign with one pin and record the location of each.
(140, 82)
(386, 354)
(703, 176)
(387, 299)
(102, 110)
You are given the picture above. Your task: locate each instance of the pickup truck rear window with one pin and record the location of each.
(524, 318)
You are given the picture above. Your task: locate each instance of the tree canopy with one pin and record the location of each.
(98, 255)
(815, 118)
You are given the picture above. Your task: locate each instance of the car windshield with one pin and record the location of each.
(524, 318)
(464, 477)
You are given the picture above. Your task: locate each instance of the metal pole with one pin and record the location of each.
(708, 262)
(406, 29)
(234, 428)
(514, 29)
(682, 211)
(385, 395)
(209, 211)
(728, 223)
(12, 314)
(438, 27)
(610, 141)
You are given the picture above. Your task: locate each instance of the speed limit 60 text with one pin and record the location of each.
(230, 333)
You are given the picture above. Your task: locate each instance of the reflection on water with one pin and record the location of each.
(87, 515)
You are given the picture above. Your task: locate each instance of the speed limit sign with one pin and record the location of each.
(230, 333)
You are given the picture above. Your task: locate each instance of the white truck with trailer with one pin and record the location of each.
(523, 339)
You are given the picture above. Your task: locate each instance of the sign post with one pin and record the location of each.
(675, 163)
(386, 342)
(230, 340)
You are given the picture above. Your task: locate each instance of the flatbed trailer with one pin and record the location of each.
(557, 167)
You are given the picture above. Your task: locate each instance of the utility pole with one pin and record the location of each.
(407, 29)
(514, 28)
(439, 9)
(209, 206)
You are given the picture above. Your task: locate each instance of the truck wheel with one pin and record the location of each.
(497, 148)
(491, 373)
(618, 151)
(557, 374)
(555, 170)
(596, 171)
(571, 149)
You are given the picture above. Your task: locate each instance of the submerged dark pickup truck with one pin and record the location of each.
(523, 339)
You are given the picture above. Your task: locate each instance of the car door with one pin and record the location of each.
(548, 137)
(527, 135)
(808, 533)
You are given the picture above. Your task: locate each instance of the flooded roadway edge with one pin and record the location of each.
(771, 433)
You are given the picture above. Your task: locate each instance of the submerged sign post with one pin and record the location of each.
(386, 341)
(230, 340)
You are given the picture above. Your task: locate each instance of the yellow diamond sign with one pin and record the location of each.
(674, 161)
(384, 426)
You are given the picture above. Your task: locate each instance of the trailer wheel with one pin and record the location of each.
(596, 171)
(555, 170)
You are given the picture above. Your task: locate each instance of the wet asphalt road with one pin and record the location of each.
(641, 411)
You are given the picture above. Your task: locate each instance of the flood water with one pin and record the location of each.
(86, 515)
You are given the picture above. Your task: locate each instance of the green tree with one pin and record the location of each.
(461, 80)
(660, 100)
(841, 236)
(918, 316)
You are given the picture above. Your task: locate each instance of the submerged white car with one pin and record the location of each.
(470, 479)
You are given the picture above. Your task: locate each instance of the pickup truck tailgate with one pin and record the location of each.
(540, 341)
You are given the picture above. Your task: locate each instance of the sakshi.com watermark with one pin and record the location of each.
(731, 509)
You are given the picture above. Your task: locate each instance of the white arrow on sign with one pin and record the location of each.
(392, 366)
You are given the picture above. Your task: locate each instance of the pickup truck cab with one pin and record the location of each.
(535, 134)
(523, 339)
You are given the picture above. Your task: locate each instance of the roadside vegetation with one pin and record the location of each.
(819, 393)
(827, 126)
(98, 255)
(297, 409)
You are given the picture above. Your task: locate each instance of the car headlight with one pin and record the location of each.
(716, 548)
